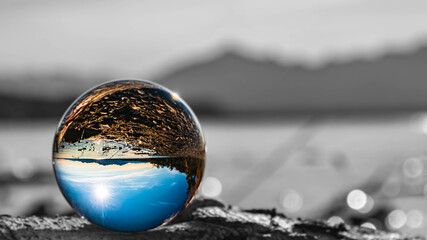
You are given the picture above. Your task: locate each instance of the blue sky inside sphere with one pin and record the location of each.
(132, 196)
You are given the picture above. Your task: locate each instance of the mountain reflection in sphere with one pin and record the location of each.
(129, 155)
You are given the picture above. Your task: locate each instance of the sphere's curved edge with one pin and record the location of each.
(129, 155)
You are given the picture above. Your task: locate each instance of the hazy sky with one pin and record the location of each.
(142, 37)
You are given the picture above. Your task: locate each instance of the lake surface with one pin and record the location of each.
(301, 166)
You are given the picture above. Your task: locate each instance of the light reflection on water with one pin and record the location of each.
(362, 146)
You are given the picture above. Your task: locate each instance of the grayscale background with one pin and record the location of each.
(315, 108)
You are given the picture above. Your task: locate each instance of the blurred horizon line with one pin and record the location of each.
(332, 58)
(234, 82)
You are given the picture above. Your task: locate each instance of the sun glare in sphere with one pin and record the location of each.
(101, 192)
(175, 96)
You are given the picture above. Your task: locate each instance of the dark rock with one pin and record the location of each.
(203, 219)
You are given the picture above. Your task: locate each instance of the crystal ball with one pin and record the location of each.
(129, 155)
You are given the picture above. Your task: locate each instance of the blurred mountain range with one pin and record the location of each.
(232, 84)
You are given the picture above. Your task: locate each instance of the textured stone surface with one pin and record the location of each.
(203, 219)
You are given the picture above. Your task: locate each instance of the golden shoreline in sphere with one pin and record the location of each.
(129, 155)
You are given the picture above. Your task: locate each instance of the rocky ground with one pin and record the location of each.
(202, 219)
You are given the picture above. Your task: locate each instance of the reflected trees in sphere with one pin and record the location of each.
(129, 155)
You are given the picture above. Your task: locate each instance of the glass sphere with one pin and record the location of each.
(129, 155)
